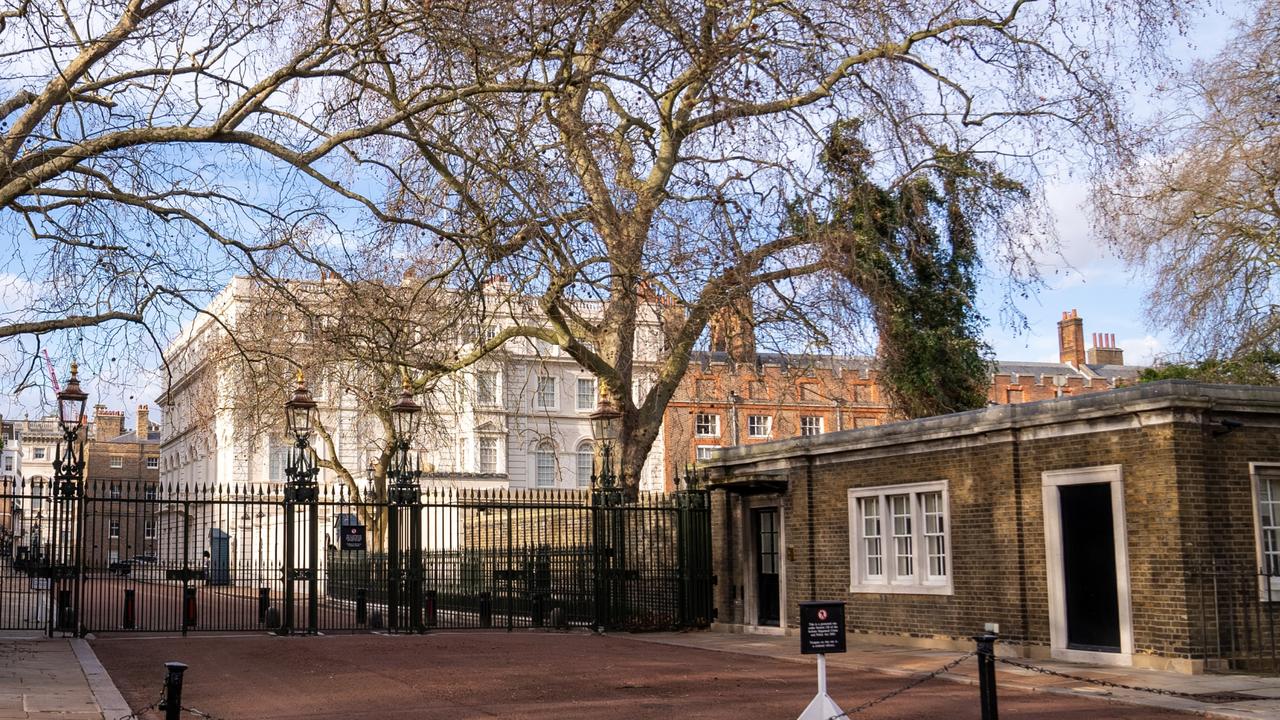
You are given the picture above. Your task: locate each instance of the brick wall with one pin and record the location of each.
(1188, 507)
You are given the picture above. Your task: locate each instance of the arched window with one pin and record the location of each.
(585, 459)
(544, 464)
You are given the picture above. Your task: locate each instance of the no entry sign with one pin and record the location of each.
(822, 627)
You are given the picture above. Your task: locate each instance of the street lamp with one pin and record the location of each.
(301, 471)
(604, 428)
(300, 411)
(68, 463)
(405, 496)
(301, 487)
(403, 472)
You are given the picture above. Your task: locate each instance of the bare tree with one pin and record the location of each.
(1199, 207)
(640, 153)
(149, 149)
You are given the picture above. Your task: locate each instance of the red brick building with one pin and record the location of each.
(734, 395)
(122, 474)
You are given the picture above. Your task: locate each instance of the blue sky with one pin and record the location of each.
(1085, 275)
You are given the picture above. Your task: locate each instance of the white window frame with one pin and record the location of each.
(591, 402)
(493, 388)
(281, 452)
(38, 453)
(584, 464)
(1255, 487)
(481, 452)
(539, 393)
(702, 453)
(714, 423)
(752, 429)
(148, 529)
(921, 581)
(117, 462)
(153, 463)
(542, 451)
(821, 425)
(113, 529)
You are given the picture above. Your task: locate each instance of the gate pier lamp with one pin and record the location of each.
(404, 472)
(68, 463)
(301, 471)
(604, 429)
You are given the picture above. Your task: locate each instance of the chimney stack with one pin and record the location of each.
(733, 331)
(1071, 339)
(1104, 350)
(144, 421)
(107, 424)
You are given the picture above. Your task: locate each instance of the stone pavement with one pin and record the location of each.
(44, 679)
(907, 661)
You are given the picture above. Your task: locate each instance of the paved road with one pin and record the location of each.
(540, 676)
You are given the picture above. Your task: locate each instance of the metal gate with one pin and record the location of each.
(145, 558)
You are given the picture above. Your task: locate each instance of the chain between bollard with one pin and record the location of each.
(137, 714)
(1199, 697)
(915, 682)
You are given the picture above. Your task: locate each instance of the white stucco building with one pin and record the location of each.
(518, 418)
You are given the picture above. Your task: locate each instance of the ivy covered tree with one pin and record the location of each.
(910, 249)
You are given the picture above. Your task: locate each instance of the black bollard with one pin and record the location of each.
(431, 608)
(362, 606)
(172, 704)
(486, 610)
(538, 610)
(189, 607)
(66, 613)
(987, 675)
(264, 602)
(130, 609)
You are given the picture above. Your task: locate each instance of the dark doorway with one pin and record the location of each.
(1089, 567)
(767, 563)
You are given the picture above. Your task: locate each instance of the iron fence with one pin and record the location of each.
(1239, 617)
(136, 557)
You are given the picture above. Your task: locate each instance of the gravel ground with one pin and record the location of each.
(527, 675)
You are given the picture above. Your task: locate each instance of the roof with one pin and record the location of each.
(987, 422)
(132, 437)
(1129, 372)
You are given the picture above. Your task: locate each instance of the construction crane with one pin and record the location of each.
(53, 377)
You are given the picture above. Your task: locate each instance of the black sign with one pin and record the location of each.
(353, 537)
(822, 627)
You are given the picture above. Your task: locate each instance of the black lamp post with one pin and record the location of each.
(68, 479)
(300, 488)
(604, 429)
(404, 494)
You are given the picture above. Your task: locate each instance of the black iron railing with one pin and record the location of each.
(197, 558)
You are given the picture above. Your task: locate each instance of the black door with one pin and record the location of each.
(1089, 568)
(767, 567)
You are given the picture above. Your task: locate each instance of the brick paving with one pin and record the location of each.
(540, 676)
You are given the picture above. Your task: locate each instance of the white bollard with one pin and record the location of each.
(822, 707)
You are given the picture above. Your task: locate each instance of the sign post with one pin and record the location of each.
(822, 631)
